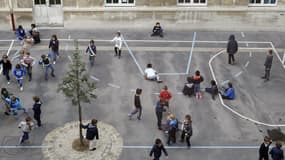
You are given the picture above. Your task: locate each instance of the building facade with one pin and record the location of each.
(203, 13)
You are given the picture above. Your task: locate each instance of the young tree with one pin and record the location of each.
(76, 85)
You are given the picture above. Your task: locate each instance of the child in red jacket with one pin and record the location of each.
(166, 95)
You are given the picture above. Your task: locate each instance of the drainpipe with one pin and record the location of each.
(12, 15)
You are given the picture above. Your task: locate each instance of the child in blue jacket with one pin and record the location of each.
(15, 105)
(19, 73)
(229, 92)
(20, 32)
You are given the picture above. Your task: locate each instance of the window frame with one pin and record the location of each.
(120, 4)
(193, 4)
(56, 3)
(34, 3)
(262, 4)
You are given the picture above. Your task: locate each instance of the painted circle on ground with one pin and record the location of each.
(59, 141)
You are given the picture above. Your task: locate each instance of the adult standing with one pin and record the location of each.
(268, 64)
(232, 49)
(276, 152)
(156, 150)
(118, 44)
(137, 103)
(91, 49)
(26, 127)
(7, 66)
(91, 133)
(54, 46)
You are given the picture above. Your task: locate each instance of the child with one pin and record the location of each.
(232, 48)
(159, 112)
(188, 89)
(28, 42)
(91, 49)
(264, 148)
(277, 152)
(15, 105)
(92, 132)
(19, 73)
(156, 150)
(7, 66)
(213, 90)
(37, 110)
(187, 130)
(54, 46)
(20, 32)
(151, 74)
(157, 30)
(138, 106)
(26, 127)
(28, 62)
(172, 128)
(45, 61)
(166, 95)
(34, 32)
(118, 44)
(229, 93)
(5, 94)
(197, 79)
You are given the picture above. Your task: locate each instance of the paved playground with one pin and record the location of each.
(221, 129)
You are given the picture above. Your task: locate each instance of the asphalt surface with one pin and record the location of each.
(213, 124)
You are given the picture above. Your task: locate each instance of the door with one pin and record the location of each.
(48, 12)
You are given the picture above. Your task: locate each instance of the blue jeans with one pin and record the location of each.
(6, 74)
(20, 82)
(46, 70)
(54, 55)
(24, 137)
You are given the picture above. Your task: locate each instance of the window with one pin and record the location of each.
(262, 2)
(120, 3)
(39, 2)
(54, 2)
(192, 2)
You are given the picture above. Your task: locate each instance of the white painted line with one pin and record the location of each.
(11, 46)
(156, 93)
(238, 74)
(246, 64)
(66, 46)
(132, 90)
(155, 41)
(132, 55)
(70, 59)
(246, 44)
(14, 57)
(171, 74)
(179, 93)
(283, 61)
(230, 108)
(250, 54)
(242, 34)
(94, 78)
(113, 85)
(194, 147)
(24, 147)
(191, 53)
(225, 82)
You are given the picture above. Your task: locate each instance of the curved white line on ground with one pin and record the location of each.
(232, 110)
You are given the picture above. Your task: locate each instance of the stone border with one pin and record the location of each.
(59, 141)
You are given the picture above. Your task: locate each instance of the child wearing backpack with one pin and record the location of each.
(197, 80)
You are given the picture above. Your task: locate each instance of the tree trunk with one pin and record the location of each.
(80, 122)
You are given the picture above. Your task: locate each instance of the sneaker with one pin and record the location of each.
(21, 88)
(54, 62)
(263, 77)
(138, 118)
(130, 116)
(6, 113)
(8, 82)
(93, 149)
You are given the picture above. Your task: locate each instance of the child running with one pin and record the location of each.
(45, 61)
(26, 127)
(19, 73)
(118, 44)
